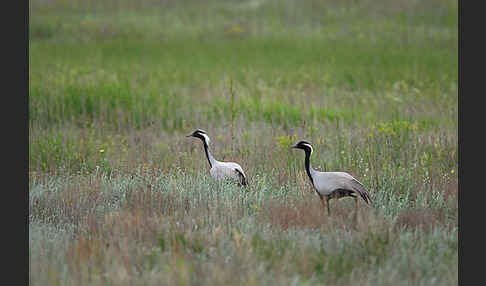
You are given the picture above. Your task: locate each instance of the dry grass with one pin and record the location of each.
(160, 228)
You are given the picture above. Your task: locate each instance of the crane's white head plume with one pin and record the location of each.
(201, 134)
(304, 145)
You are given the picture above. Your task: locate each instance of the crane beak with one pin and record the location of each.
(293, 146)
(190, 135)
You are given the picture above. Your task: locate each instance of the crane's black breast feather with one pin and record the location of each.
(242, 178)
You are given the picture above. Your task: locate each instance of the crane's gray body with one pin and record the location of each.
(327, 183)
(224, 170)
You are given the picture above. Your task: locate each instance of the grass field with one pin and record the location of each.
(119, 196)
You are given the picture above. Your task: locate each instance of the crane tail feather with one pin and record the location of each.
(359, 188)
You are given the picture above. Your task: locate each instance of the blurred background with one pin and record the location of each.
(240, 68)
(119, 196)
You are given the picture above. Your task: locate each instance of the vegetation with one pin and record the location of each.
(119, 196)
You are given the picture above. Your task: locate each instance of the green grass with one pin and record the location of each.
(119, 196)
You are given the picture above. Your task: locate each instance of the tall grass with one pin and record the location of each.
(175, 228)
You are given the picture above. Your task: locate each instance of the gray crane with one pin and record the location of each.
(331, 185)
(220, 170)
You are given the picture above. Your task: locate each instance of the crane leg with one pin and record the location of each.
(323, 203)
(356, 209)
(327, 204)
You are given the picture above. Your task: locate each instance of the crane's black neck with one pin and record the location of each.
(307, 164)
(210, 158)
(206, 150)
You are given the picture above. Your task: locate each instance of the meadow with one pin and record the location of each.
(118, 195)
